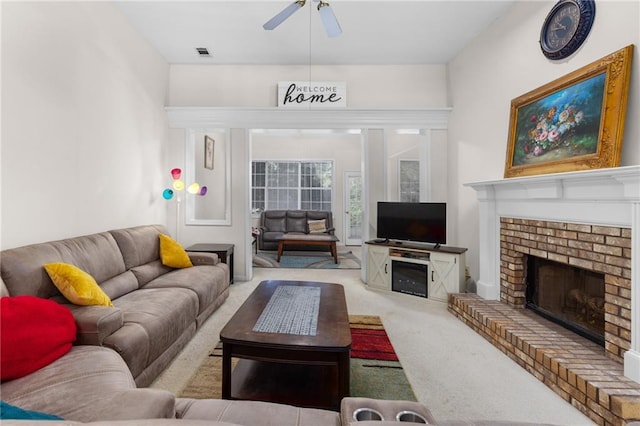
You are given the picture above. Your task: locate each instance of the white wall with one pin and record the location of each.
(84, 131)
(505, 62)
(393, 86)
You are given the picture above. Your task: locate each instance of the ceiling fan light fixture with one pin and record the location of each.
(284, 14)
(329, 20)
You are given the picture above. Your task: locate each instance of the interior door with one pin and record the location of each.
(353, 209)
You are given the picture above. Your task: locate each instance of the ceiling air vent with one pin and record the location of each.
(202, 51)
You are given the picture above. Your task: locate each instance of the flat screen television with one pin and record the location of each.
(420, 222)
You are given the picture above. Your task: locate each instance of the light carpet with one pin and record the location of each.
(452, 370)
(306, 260)
(376, 371)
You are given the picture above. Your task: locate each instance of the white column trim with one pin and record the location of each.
(632, 356)
(425, 165)
(274, 118)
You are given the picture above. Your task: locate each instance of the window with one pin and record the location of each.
(291, 185)
(409, 181)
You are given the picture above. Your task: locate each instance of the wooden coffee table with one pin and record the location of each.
(304, 370)
(326, 240)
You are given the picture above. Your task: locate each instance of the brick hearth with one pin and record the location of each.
(572, 366)
(588, 219)
(588, 376)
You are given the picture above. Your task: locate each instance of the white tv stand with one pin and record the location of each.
(444, 272)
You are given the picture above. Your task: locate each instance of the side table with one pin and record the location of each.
(224, 252)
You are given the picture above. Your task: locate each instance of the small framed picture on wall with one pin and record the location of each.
(209, 145)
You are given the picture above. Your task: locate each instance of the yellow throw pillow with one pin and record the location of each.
(76, 285)
(173, 254)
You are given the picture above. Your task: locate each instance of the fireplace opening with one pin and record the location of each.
(567, 295)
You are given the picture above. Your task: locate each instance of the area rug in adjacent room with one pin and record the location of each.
(375, 369)
(306, 259)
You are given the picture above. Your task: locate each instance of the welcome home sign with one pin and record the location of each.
(314, 94)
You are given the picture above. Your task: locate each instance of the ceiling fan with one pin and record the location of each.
(329, 21)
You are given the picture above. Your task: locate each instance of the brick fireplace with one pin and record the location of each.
(604, 249)
(589, 220)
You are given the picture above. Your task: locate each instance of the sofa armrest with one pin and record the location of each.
(95, 323)
(253, 412)
(202, 258)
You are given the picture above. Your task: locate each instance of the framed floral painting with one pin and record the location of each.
(573, 123)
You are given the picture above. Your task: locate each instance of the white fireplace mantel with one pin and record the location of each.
(608, 197)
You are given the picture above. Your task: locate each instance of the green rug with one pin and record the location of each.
(370, 378)
(306, 259)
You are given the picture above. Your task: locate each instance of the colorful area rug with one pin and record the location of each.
(306, 259)
(375, 369)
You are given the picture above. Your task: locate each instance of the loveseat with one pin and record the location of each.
(92, 384)
(275, 223)
(156, 309)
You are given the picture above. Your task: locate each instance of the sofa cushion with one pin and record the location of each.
(150, 271)
(154, 319)
(275, 220)
(34, 332)
(96, 254)
(88, 383)
(77, 286)
(271, 236)
(320, 214)
(278, 224)
(172, 253)
(207, 282)
(140, 248)
(297, 221)
(8, 411)
(140, 244)
(119, 285)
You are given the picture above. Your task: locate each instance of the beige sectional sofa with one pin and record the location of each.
(157, 309)
(92, 384)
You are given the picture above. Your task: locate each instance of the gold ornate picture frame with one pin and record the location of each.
(573, 123)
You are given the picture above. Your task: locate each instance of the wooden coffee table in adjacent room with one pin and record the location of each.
(323, 240)
(293, 342)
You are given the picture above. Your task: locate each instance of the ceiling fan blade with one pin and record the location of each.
(282, 16)
(329, 20)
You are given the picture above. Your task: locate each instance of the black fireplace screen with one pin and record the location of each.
(410, 278)
(570, 296)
